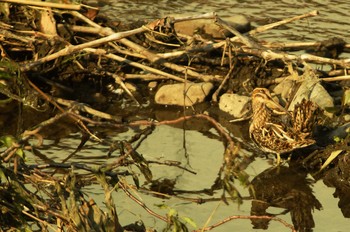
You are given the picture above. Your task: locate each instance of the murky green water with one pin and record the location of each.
(332, 21)
(204, 154)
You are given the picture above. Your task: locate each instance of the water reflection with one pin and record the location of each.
(286, 188)
(339, 178)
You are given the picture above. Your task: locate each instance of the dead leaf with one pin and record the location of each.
(333, 155)
(47, 22)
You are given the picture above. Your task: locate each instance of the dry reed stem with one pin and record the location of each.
(217, 91)
(265, 53)
(152, 57)
(322, 60)
(45, 4)
(49, 99)
(282, 22)
(133, 63)
(72, 49)
(295, 45)
(87, 109)
(121, 83)
(339, 78)
(210, 15)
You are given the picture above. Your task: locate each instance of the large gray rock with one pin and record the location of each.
(310, 88)
(183, 94)
(236, 105)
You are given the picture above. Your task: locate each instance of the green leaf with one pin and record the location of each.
(3, 177)
(172, 212)
(8, 140)
(189, 221)
(337, 139)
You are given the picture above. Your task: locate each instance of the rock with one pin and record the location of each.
(208, 26)
(314, 91)
(174, 94)
(284, 90)
(346, 118)
(309, 88)
(152, 85)
(131, 87)
(236, 105)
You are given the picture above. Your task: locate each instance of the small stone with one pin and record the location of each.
(236, 105)
(130, 87)
(346, 117)
(174, 94)
(152, 85)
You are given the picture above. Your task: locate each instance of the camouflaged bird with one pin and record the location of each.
(275, 130)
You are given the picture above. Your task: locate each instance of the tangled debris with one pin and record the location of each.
(66, 68)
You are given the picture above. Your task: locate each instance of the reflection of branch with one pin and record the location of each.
(248, 217)
(216, 125)
(26, 135)
(171, 163)
(143, 205)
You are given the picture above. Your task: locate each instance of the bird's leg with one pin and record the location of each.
(278, 159)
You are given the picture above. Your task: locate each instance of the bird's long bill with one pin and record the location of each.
(275, 107)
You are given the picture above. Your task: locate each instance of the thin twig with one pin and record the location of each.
(72, 49)
(133, 63)
(345, 63)
(216, 93)
(248, 217)
(339, 78)
(282, 22)
(143, 205)
(49, 99)
(154, 58)
(87, 109)
(45, 4)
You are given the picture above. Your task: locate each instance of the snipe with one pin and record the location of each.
(275, 130)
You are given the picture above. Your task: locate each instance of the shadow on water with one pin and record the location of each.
(290, 189)
(187, 159)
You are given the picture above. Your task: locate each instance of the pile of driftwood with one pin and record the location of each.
(55, 57)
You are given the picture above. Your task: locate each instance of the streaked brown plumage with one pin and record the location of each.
(275, 130)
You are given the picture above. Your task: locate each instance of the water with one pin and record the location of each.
(332, 19)
(200, 152)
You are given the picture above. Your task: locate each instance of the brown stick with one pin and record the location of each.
(74, 49)
(296, 45)
(215, 95)
(248, 217)
(322, 60)
(282, 22)
(45, 4)
(152, 57)
(133, 63)
(339, 78)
